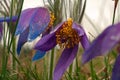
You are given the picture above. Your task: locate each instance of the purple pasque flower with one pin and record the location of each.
(107, 40)
(6, 19)
(32, 23)
(68, 35)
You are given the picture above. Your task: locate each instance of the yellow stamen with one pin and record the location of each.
(52, 19)
(67, 36)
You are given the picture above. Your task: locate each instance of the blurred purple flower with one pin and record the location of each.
(107, 40)
(68, 35)
(32, 23)
(6, 19)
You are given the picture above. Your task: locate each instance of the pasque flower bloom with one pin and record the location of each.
(67, 34)
(107, 40)
(32, 23)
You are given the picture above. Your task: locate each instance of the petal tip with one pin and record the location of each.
(38, 55)
(85, 59)
(18, 51)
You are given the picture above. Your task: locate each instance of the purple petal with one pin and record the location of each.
(8, 19)
(54, 30)
(85, 42)
(78, 28)
(38, 55)
(22, 39)
(103, 43)
(57, 27)
(24, 20)
(116, 69)
(46, 43)
(65, 60)
(39, 22)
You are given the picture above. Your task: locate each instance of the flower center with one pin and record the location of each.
(66, 36)
(52, 19)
